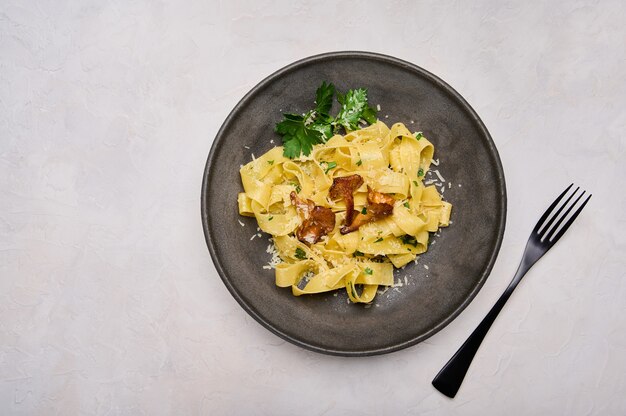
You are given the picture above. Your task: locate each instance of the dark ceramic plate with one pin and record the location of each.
(459, 262)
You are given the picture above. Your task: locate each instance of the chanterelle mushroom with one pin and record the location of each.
(317, 221)
(374, 197)
(379, 206)
(344, 187)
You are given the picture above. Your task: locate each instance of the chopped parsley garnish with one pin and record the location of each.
(379, 240)
(420, 172)
(357, 254)
(368, 271)
(364, 211)
(300, 254)
(270, 218)
(301, 132)
(298, 189)
(329, 166)
(409, 239)
(271, 162)
(415, 183)
(406, 205)
(359, 163)
(419, 135)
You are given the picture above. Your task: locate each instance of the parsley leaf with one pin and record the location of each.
(420, 172)
(300, 254)
(368, 271)
(324, 98)
(352, 106)
(298, 136)
(369, 115)
(418, 135)
(357, 254)
(359, 163)
(379, 240)
(406, 205)
(364, 211)
(329, 166)
(409, 239)
(324, 128)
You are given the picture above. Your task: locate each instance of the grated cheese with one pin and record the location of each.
(439, 175)
(241, 223)
(426, 267)
(382, 291)
(377, 107)
(275, 260)
(247, 147)
(435, 162)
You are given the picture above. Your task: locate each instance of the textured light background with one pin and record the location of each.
(109, 302)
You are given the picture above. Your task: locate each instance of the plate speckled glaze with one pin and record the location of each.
(459, 262)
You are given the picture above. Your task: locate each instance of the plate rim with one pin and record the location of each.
(206, 220)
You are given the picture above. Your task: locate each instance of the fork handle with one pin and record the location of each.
(450, 377)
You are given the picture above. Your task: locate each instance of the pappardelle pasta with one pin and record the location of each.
(348, 213)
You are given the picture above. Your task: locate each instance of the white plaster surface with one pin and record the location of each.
(109, 302)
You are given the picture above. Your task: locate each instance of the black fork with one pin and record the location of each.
(546, 233)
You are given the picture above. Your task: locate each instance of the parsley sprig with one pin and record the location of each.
(301, 132)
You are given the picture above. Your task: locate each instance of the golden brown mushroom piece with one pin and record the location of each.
(379, 206)
(303, 207)
(374, 197)
(344, 187)
(317, 221)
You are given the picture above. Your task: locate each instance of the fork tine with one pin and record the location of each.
(558, 219)
(555, 238)
(550, 208)
(548, 226)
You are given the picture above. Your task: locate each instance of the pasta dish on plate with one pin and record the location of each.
(347, 213)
